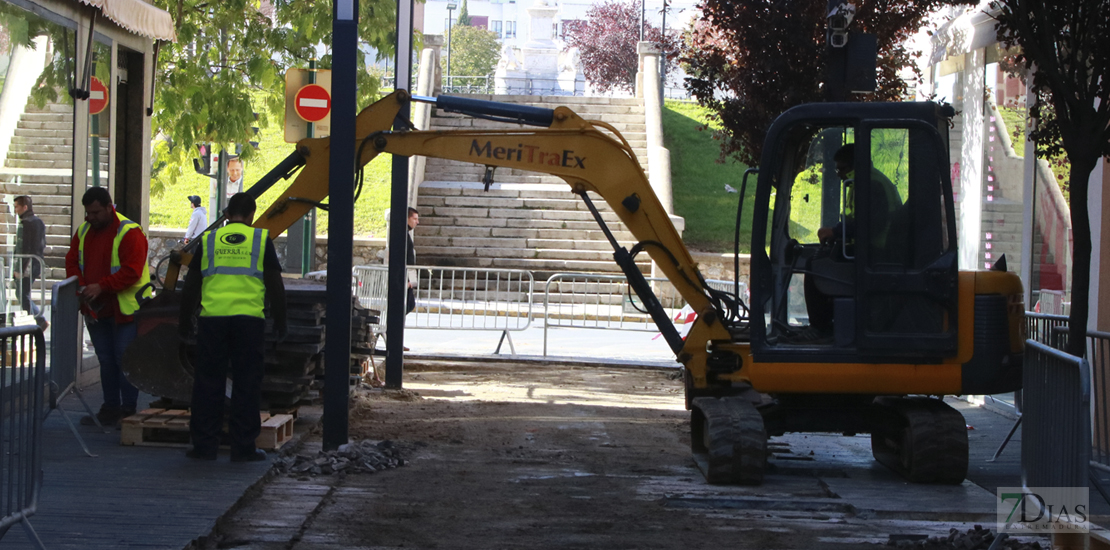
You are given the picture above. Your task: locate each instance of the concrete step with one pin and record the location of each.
(49, 108)
(538, 245)
(48, 116)
(27, 140)
(45, 154)
(45, 125)
(448, 231)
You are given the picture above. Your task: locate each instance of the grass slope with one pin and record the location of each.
(171, 208)
(698, 181)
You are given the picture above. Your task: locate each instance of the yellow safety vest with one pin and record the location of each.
(232, 269)
(129, 297)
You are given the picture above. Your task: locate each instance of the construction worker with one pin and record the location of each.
(108, 257)
(234, 272)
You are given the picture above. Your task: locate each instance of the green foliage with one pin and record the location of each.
(751, 60)
(229, 62)
(170, 208)
(699, 178)
(607, 42)
(464, 16)
(474, 52)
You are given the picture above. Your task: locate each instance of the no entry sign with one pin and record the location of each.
(313, 103)
(98, 96)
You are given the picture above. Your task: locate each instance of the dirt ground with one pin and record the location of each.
(502, 455)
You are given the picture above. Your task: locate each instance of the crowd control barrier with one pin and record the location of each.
(455, 298)
(1056, 437)
(595, 301)
(23, 383)
(65, 352)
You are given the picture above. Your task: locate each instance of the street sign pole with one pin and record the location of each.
(341, 182)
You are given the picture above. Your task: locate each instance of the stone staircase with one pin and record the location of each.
(526, 220)
(39, 164)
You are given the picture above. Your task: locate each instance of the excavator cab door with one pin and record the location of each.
(906, 265)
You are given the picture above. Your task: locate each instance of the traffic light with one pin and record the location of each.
(203, 165)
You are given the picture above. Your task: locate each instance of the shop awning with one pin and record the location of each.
(138, 17)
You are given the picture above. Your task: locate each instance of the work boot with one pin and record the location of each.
(108, 416)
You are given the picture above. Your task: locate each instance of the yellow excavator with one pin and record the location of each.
(908, 326)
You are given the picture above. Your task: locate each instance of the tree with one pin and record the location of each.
(750, 60)
(229, 62)
(607, 40)
(1064, 44)
(464, 16)
(474, 52)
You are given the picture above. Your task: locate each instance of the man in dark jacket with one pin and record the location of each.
(32, 242)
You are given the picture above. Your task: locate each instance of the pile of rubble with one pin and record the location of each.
(974, 539)
(361, 457)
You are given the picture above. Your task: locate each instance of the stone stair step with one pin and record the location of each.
(22, 140)
(45, 125)
(50, 133)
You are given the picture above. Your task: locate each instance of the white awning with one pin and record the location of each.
(138, 17)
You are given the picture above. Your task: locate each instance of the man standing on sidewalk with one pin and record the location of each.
(108, 257)
(234, 271)
(32, 242)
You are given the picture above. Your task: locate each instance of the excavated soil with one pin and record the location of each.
(503, 455)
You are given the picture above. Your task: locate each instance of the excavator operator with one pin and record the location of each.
(885, 202)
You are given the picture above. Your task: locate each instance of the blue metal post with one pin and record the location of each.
(337, 354)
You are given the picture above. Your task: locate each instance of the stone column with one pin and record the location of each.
(541, 54)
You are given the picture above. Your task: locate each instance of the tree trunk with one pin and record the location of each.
(1081, 254)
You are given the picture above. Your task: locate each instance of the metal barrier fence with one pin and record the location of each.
(603, 302)
(12, 287)
(23, 380)
(456, 298)
(65, 352)
(1045, 328)
(1056, 438)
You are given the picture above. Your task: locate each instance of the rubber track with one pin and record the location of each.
(735, 451)
(936, 435)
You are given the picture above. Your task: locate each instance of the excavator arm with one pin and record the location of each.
(560, 143)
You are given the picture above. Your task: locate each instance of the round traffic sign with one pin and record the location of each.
(313, 103)
(98, 96)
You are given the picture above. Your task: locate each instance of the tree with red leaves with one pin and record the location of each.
(1066, 42)
(750, 60)
(606, 43)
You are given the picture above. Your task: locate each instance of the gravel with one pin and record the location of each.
(357, 457)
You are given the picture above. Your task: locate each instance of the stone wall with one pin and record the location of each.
(367, 251)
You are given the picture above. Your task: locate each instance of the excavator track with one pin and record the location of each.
(929, 444)
(728, 440)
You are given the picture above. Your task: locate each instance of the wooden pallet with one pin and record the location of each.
(170, 428)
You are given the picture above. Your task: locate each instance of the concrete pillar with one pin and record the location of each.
(971, 161)
(1098, 202)
(659, 158)
(427, 82)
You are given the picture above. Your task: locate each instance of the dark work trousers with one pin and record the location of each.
(819, 306)
(235, 341)
(29, 305)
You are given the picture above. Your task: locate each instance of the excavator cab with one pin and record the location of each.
(853, 249)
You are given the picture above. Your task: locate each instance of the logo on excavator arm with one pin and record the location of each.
(531, 154)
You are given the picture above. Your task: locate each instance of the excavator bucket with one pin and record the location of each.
(158, 362)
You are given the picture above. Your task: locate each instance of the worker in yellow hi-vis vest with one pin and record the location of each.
(234, 274)
(107, 254)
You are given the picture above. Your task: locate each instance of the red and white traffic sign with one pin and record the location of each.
(313, 103)
(98, 96)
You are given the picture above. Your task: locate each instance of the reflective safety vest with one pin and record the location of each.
(129, 297)
(232, 269)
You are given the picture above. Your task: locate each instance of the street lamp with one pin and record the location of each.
(450, 20)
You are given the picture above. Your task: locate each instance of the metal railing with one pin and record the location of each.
(461, 85)
(13, 287)
(1056, 437)
(23, 382)
(1046, 328)
(65, 352)
(586, 300)
(456, 298)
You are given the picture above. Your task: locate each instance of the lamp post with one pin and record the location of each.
(450, 20)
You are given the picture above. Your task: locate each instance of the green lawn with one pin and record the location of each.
(698, 181)
(171, 208)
